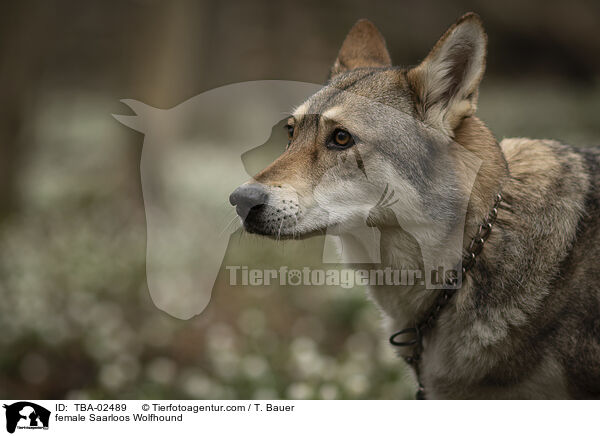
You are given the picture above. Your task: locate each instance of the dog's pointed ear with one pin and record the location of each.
(446, 83)
(363, 47)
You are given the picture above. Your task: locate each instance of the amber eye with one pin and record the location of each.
(342, 138)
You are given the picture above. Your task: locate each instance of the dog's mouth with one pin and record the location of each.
(264, 210)
(271, 221)
(265, 221)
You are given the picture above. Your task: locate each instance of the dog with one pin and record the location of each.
(522, 319)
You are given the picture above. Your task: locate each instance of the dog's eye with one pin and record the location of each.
(290, 132)
(341, 138)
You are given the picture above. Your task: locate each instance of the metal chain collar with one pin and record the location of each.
(428, 321)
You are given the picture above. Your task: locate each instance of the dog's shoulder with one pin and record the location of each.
(543, 157)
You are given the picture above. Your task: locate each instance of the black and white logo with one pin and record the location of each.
(26, 415)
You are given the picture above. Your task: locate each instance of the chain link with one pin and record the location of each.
(451, 281)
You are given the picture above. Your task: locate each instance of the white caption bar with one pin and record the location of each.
(298, 417)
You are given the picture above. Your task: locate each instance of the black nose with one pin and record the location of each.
(248, 197)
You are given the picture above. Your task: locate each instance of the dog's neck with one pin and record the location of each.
(473, 136)
(400, 251)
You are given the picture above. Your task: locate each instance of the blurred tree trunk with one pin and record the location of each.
(23, 46)
(169, 45)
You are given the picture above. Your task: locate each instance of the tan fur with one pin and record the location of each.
(363, 47)
(473, 136)
(432, 80)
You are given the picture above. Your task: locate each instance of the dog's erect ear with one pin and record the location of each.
(445, 84)
(363, 47)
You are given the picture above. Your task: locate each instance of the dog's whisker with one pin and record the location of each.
(393, 202)
(383, 195)
(279, 231)
(231, 221)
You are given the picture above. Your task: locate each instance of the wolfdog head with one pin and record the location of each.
(378, 144)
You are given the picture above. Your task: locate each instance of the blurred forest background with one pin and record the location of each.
(75, 313)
